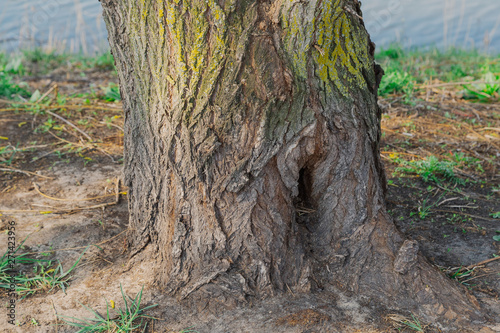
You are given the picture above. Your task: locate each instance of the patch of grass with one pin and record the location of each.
(431, 169)
(486, 91)
(38, 55)
(465, 161)
(9, 67)
(40, 61)
(104, 62)
(497, 237)
(12, 64)
(3, 60)
(112, 93)
(127, 319)
(425, 209)
(398, 82)
(460, 274)
(406, 69)
(447, 66)
(46, 126)
(402, 322)
(9, 89)
(496, 215)
(5, 264)
(414, 324)
(46, 276)
(10, 152)
(456, 218)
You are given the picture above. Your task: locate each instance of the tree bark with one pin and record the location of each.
(252, 153)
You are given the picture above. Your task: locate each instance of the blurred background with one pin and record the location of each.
(74, 26)
(77, 25)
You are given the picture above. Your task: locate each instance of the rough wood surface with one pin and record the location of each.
(252, 157)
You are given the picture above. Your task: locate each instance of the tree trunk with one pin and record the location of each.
(252, 153)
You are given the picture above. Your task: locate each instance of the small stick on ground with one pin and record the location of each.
(70, 124)
(482, 275)
(446, 200)
(86, 146)
(37, 189)
(489, 129)
(484, 262)
(462, 213)
(46, 94)
(25, 172)
(115, 202)
(70, 210)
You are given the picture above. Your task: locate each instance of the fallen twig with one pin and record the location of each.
(46, 94)
(70, 210)
(446, 200)
(462, 213)
(478, 276)
(114, 125)
(70, 124)
(463, 206)
(117, 199)
(24, 171)
(86, 146)
(37, 189)
(472, 131)
(484, 262)
(489, 129)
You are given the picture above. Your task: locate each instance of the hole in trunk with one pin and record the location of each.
(304, 205)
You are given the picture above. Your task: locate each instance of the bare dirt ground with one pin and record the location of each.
(63, 193)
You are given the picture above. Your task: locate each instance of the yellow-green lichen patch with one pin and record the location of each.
(218, 41)
(342, 50)
(198, 47)
(161, 27)
(298, 23)
(325, 29)
(175, 24)
(217, 45)
(144, 10)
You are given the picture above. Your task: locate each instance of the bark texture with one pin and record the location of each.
(252, 152)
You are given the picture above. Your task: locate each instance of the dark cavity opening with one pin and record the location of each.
(304, 204)
(305, 187)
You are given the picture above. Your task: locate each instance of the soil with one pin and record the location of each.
(453, 224)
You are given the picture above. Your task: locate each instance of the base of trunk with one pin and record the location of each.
(313, 219)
